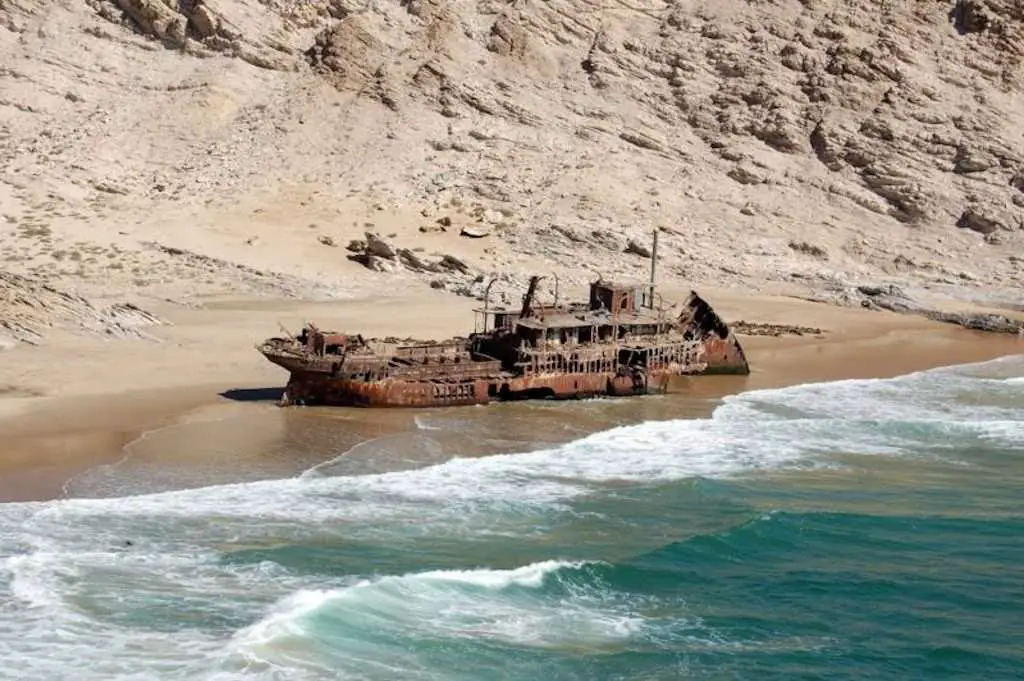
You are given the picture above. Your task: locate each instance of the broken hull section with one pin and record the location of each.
(725, 356)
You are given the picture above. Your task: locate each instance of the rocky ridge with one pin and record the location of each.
(785, 144)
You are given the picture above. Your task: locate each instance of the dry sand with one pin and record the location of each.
(206, 369)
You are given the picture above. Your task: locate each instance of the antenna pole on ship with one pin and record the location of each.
(654, 263)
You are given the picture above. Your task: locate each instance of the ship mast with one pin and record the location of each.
(654, 264)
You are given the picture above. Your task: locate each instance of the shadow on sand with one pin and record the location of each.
(253, 394)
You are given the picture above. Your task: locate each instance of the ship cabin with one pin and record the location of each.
(614, 312)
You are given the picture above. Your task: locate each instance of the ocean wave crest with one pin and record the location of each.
(530, 606)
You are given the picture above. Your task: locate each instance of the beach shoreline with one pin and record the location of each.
(205, 363)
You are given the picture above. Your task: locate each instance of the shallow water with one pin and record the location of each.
(855, 529)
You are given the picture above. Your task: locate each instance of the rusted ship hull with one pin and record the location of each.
(318, 389)
(428, 382)
(618, 344)
(724, 356)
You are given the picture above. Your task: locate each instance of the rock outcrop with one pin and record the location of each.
(267, 35)
(30, 310)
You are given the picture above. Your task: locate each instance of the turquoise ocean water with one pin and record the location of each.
(852, 530)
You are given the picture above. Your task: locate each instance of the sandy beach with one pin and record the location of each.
(201, 387)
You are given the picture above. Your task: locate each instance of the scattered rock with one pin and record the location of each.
(157, 19)
(204, 26)
(779, 132)
(507, 37)
(491, 191)
(728, 154)
(413, 261)
(637, 249)
(607, 239)
(1017, 181)
(972, 218)
(877, 128)
(642, 140)
(326, 240)
(808, 249)
(373, 253)
(108, 188)
(970, 16)
(766, 329)
(372, 262)
(745, 175)
(894, 299)
(376, 246)
(453, 264)
(990, 323)
(969, 161)
(825, 147)
(473, 233)
(905, 197)
(346, 54)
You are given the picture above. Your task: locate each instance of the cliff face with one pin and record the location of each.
(801, 144)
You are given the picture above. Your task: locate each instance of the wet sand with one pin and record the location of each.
(226, 427)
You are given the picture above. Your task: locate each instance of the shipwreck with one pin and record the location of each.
(623, 341)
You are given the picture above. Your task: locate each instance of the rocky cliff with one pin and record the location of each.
(798, 145)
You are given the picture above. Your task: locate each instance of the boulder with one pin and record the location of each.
(745, 175)
(637, 249)
(507, 37)
(1017, 181)
(904, 196)
(453, 264)
(346, 53)
(378, 247)
(155, 18)
(969, 160)
(982, 221)
(414, 262)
